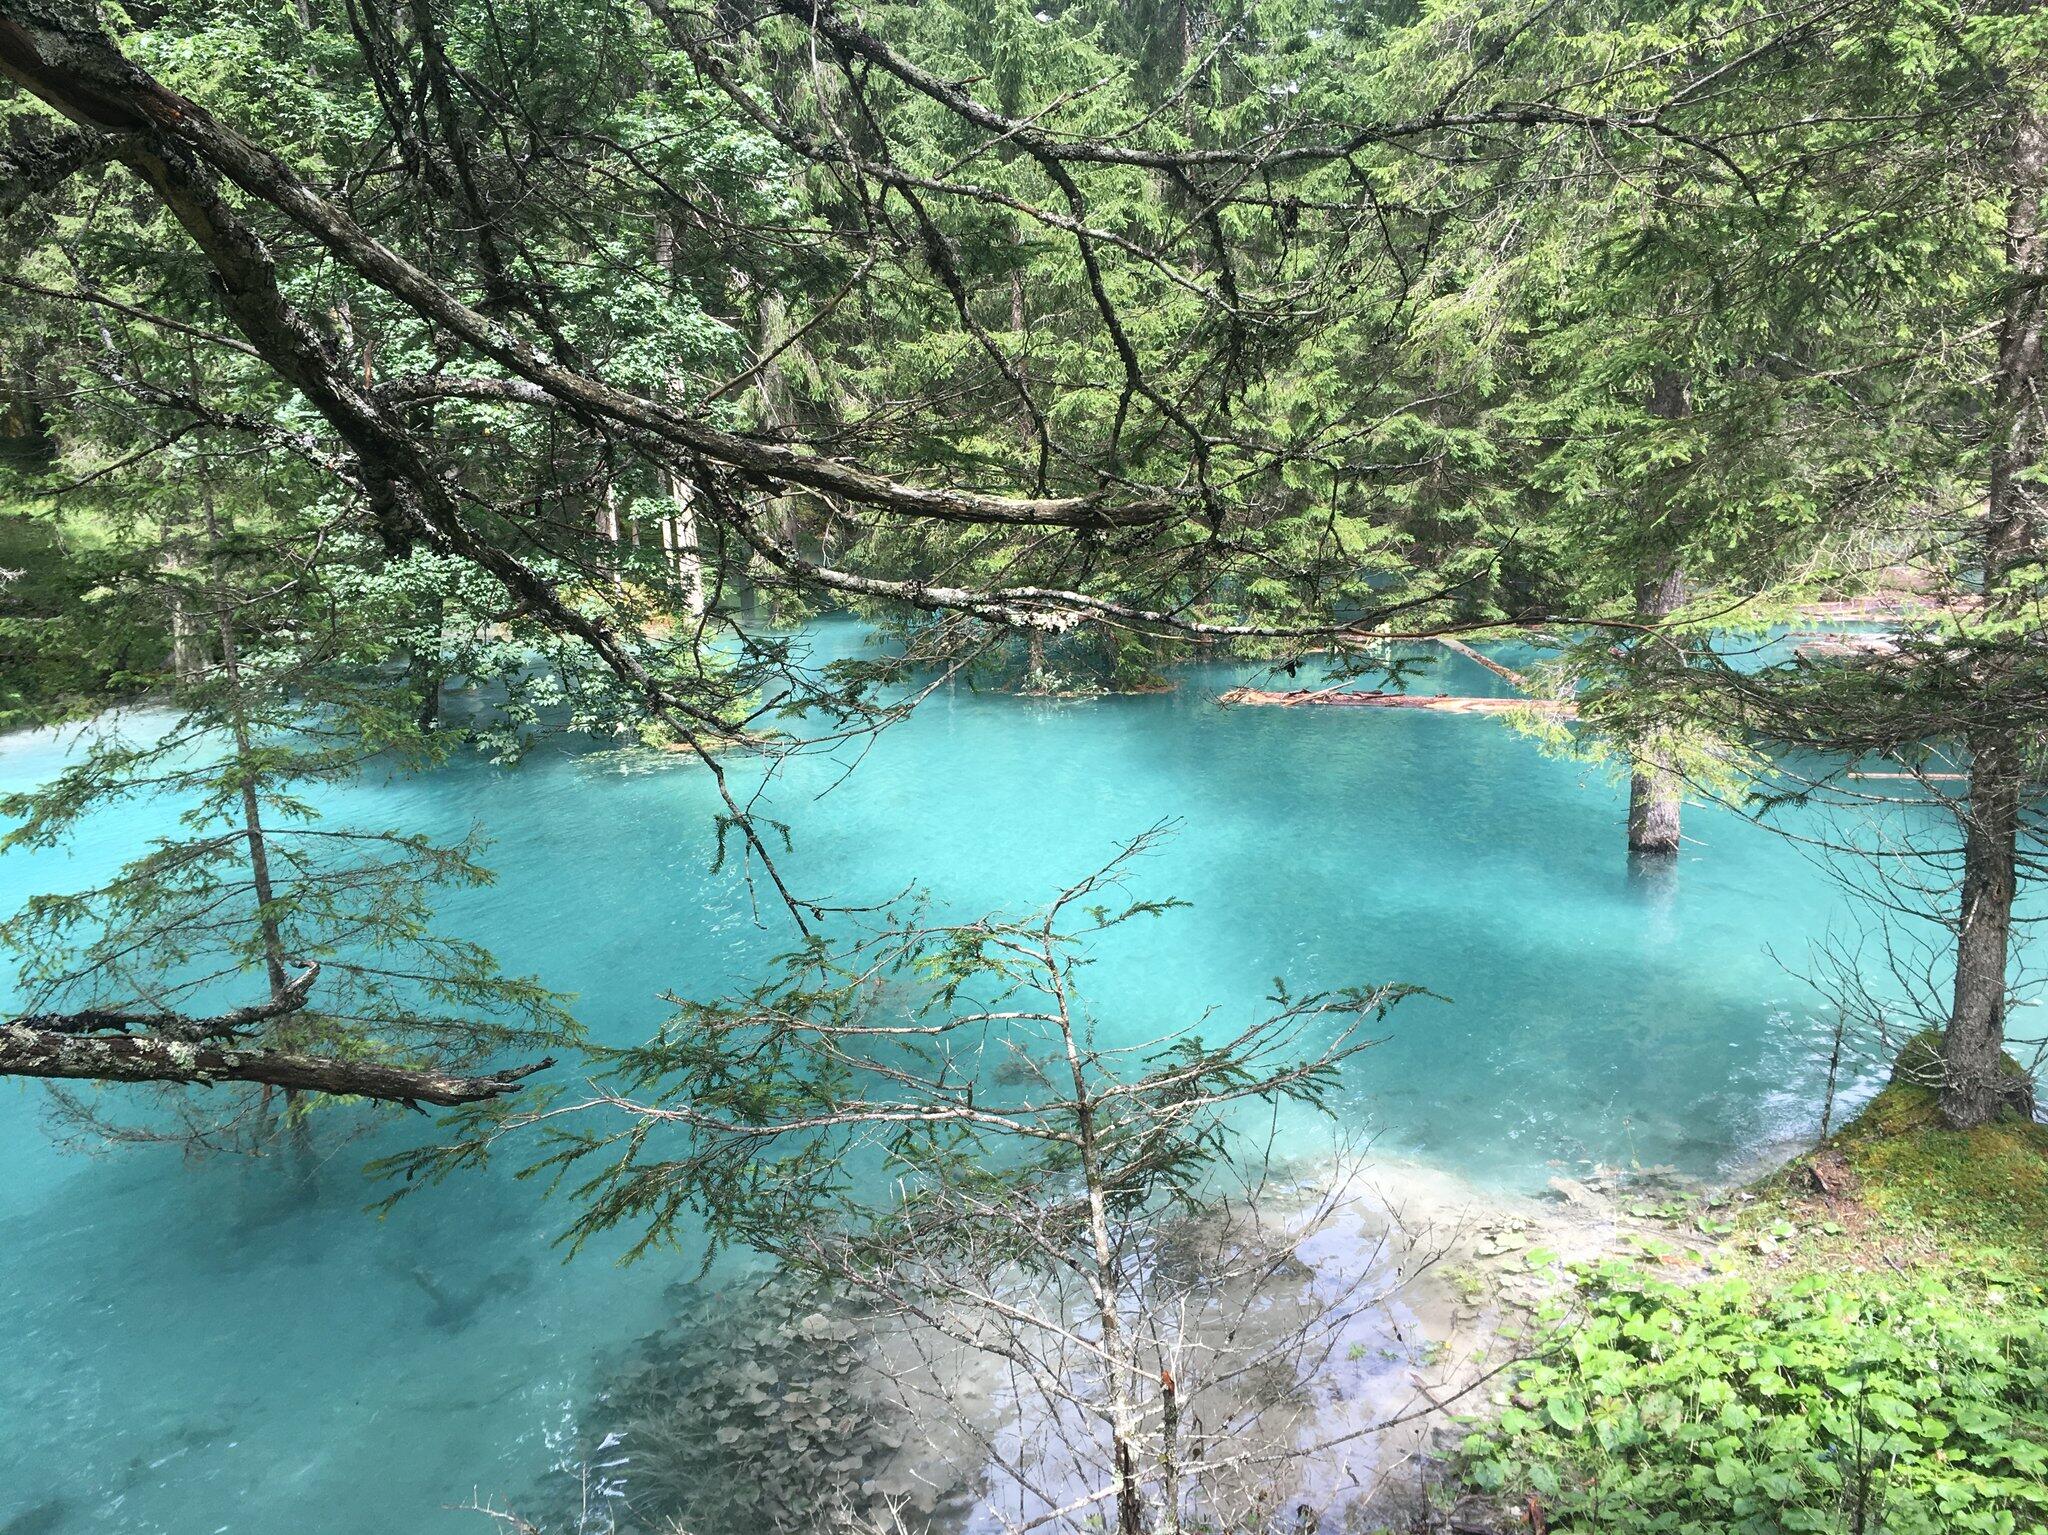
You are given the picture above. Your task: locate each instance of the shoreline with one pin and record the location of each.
(1483, 1265)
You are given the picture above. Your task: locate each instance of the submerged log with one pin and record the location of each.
(1879, 606)
(1839, 646)
(1337, 698)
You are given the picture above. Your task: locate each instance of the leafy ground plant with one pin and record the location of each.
(1818, 1406)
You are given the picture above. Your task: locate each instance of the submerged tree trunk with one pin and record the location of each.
(1655, 791)
(1654, 803)
(1975, 1087)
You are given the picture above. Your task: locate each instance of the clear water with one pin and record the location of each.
(235, 1346)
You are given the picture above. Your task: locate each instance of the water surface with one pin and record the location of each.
(234, 1346)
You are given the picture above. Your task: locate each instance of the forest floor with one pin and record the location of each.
(1898, 1265)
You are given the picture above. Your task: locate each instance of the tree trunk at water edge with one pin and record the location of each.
(1975, 1088)
(1655, 791)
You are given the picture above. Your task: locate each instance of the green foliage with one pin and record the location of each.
(1736, 330)
(72, 634)
(1873, 1360)
(303, 676)
(1682, 1409)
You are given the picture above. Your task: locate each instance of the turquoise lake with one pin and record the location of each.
(233, 1345)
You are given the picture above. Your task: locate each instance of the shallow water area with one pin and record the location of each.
(236, 1346)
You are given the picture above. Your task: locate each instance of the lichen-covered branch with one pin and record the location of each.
(54, 1055)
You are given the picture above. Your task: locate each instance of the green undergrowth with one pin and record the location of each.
(1730, 1404)
(1864, 1350)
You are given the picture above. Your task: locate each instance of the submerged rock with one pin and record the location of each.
(45, 1518)
(1573, 1192)
(764, 1410)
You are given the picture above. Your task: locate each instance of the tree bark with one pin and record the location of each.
(681, 542)
(1975, 1088)
(38, 157)
(1654, 803)
(1655, 793)
(28, 1052)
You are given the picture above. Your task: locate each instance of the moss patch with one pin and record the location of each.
(1920, 1065)
(1897, 1189)
(1985, 1188)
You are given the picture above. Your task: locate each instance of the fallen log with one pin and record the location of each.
(118, 1045)
(1879, 606)
(1506, 673)
(1837, 646)
(1440, 703)
(30, 1052)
